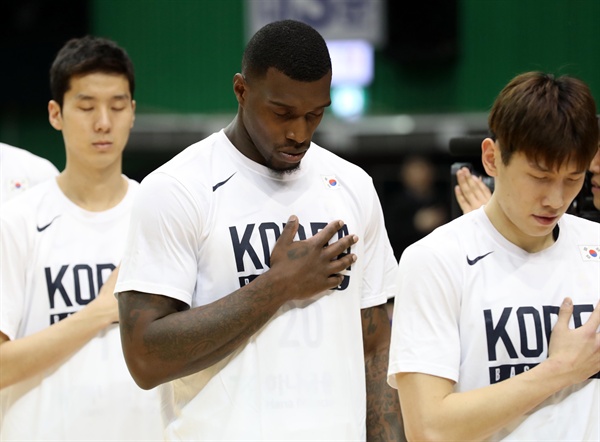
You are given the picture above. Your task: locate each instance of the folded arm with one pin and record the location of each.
(26, 357)
(434, 411)
(163, 339)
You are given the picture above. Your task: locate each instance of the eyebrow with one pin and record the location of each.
(277, 103)
(544, 169)
(89, 97)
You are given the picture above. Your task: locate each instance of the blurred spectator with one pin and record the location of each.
(417, 205)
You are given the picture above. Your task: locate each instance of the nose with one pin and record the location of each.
(102, 122)
(555, 196)
(298, 131)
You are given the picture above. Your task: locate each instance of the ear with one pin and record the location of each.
(240, 88)
(133, 112)
(54, 115)
(490, 153)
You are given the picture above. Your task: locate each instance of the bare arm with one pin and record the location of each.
(471, 192)
(435, 412)
(164, 340)
(26, 357)
(384, 420)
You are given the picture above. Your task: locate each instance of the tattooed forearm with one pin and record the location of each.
(163, 338)
(384, 420)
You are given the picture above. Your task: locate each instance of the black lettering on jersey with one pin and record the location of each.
(87, 271)
(242, 247)
(549, 311)
(268, 234)
(247, 279)
(101, 270)
(503, 372)
(578, 310)
(493, 334)
(80, 292)
(522, 314)
(533, 326)
(264, 230)
(54, 285)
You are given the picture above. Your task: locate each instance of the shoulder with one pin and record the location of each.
(331, 166)
(11, 155)
(451, 241)
(37, 205)
(192, 164)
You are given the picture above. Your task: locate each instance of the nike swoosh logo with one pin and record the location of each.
(473, 261)
(41, 229)
(216, 186)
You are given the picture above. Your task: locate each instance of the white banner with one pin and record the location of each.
(334, 19)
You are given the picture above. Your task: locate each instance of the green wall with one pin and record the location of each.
(187, 51)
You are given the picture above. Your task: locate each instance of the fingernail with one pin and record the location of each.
(567, 302)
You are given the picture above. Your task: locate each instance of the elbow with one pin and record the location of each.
(142, 380)
(143, 373)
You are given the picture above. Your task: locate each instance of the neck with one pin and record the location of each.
(95, 191)
(512, 233)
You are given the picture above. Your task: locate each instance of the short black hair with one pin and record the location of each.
(550, 119)
(86, 55)
(292, 47)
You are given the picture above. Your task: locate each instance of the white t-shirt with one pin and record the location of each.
(54, 257)
(204, 225)
(20, 170)
(475, 308)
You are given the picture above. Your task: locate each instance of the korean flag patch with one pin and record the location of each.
(590, 253)
(331, 181)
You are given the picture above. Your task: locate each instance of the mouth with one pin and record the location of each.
(292, 157)
(102, 145)
(546, 220)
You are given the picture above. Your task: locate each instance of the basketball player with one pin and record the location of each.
(63, 374)
(477, 299)
(21, 170)
(472, 193)
(257, 269)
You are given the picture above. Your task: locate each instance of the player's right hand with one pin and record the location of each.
(313, 265)
(576, 350)
(106, 302)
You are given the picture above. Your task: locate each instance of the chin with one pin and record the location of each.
(283, 171)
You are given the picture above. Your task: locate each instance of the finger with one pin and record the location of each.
(340, 264)
(335, 280)
(461, 200)
(289, 230)
(324, 235)
(339, 247)
(564, 314)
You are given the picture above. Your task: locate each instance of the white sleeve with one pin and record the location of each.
(13, 258)
(380, 264)
(425, 323)
(163, 241)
